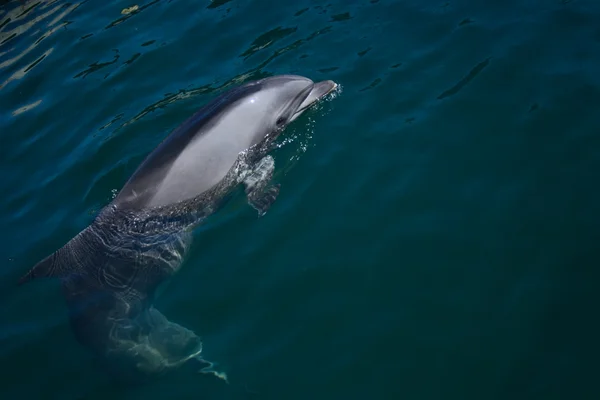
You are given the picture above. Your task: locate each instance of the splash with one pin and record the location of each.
(303, 134)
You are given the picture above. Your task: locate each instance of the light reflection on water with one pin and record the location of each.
(18, 21)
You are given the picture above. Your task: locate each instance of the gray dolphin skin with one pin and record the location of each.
(109, 272)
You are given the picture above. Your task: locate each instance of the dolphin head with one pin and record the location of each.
(282, 98)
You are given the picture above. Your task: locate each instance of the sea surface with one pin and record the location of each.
(437, 231)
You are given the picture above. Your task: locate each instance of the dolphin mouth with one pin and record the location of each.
(317, 92)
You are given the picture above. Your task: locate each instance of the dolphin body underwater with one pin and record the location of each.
(109, 272)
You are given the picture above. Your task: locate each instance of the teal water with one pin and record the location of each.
(436, 232)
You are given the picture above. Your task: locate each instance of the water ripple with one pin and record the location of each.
(217, 3)
(26, 107)
(341, 17)
(470, 76)
(96, 66)
(267, 39)
(131, 12)
(7, 36)
(254, 73)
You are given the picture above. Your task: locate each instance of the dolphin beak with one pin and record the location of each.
(318, 91)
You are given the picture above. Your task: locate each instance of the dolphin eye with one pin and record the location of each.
(280, 121)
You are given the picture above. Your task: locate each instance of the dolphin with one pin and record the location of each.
(110, 271)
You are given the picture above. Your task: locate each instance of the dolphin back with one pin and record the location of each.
(143, 183)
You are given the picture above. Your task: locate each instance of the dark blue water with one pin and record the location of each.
(436, 235)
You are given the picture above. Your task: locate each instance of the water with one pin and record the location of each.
(436, 232)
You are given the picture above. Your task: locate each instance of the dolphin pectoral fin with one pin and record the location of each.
(70, 259)
(63, 262)
(44, 268)
(260, 192)
(262, 201)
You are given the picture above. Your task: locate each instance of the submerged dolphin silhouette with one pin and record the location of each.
(110, 271)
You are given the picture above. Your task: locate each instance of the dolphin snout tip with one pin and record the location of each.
(324, 87)
(333, 84)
